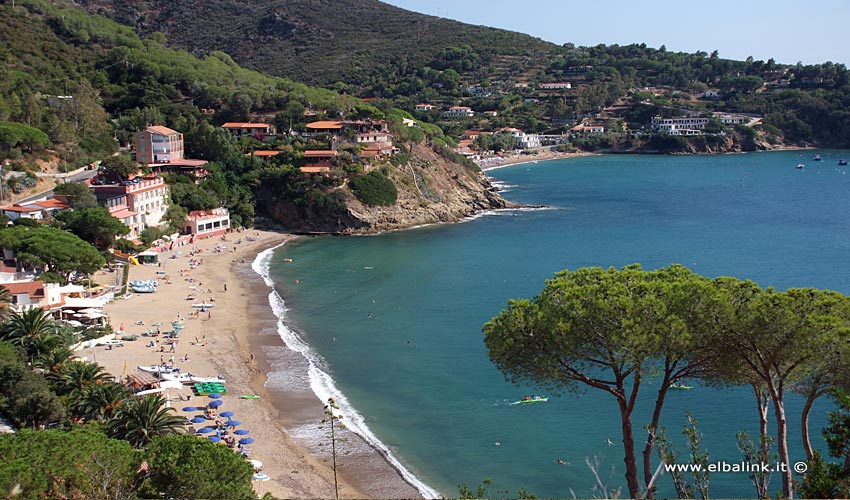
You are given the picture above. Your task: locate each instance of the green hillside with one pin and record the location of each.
(314, 41)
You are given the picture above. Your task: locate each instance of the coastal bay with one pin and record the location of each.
(397, 317)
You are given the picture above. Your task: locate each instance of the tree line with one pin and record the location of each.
(613, 330)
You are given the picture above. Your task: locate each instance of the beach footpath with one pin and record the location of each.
(200, 290)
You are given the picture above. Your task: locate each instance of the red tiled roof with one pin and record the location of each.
(52, 203)
(315, 168)
(123, 213)
(325, 124)
(245, 125)
(31, 288)
(265, 152)
(21, 209)
(319, 153)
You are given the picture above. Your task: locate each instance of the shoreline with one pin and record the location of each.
(222, 342)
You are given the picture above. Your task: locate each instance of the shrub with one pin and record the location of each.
(374, 189)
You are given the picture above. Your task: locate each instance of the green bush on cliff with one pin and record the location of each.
(374, 189)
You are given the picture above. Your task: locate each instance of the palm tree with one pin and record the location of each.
(138, 420)
(102, 401)
(5, 302)
(25, 327)
(74, 380)
(53, 360)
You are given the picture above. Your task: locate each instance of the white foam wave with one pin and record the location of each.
(322, 384)
(505, 212)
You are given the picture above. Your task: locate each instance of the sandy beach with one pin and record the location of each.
(232, 339)
(504, 161)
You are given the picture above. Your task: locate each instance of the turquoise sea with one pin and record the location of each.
(393, 322)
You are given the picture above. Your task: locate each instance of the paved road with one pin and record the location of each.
(76, 176)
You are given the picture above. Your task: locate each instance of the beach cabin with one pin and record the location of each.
(148, 257)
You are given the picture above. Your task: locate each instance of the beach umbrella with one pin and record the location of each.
(190, 408)
(214, 439)
(241, 432)
(216, 403)
(246, 441)
(198, 420)
(261, 476)
(226, 414)
(205, 430)
(214, 395)
(233, 423)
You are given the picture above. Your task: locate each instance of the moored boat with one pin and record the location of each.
(842, 162)
(531, 399)
(818, 158)
(681, 387)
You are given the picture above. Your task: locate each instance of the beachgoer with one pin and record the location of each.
(252, 357)
(225, 287)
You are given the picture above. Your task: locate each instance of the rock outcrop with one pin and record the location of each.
(431, 189)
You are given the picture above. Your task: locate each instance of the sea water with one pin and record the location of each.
(393, 321)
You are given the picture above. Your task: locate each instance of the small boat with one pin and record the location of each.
(249, 396)
(531, 399)
(143, 288)
(801, 165)
(203, 305)
(681, 387)
(817, 158)
(206, 380)
(287, 259)
(842, 162)
(185, 378)
(158, 369)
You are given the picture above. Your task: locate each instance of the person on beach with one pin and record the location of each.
(252, 357)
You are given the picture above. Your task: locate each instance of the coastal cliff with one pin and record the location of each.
(431, 189)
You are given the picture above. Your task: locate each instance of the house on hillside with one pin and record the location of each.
(323, 127)
(42, 210)
(459, 112)
(523, 140)
(680, 126)
(161, 149)
(555, 86)
(249, 129)
(424, 107)
(587, 129)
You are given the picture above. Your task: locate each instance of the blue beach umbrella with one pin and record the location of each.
(246, 440)
(241, 432)
(214, 439)
(226, 414)
(205, 430)
(197, 420)
(233, 423)
(216, 403)
(190, 408)
(214, 395)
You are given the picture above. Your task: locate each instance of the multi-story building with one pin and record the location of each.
(138, 204)
(459, 112)
(523, 140)
(158, 144)
(162, 149)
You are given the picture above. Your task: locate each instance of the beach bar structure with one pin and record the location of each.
(207, 223)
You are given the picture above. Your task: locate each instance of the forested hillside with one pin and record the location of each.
(314, 41)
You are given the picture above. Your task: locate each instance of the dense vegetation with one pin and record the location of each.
(617, 330)
(374, 189)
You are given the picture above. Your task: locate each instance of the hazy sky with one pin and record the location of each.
(811, 31)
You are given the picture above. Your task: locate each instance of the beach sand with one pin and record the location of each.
(503, 161)
(241, 324)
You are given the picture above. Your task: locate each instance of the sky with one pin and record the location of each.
(790, 31)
